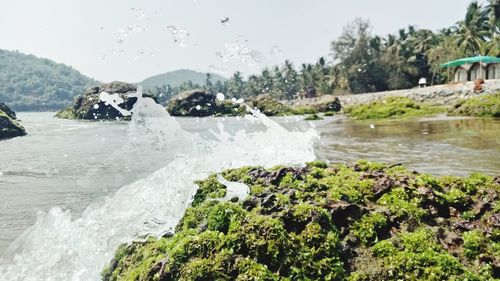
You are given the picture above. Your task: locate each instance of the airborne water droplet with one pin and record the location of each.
(220, 96)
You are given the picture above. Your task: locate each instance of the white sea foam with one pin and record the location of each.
(58, 247)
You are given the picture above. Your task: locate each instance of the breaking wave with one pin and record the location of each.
(59, 247)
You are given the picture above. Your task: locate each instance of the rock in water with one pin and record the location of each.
(9, 126)
(197, 103)
(89, 106)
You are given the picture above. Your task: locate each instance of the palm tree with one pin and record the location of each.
(290, 81)
(473, 30)
(493, 12)
(235, 85)
(267, 81)
(491, 47)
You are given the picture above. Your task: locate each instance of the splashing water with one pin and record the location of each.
(234, 189)
(124, 32)
(179, 35)
(241, 50)
(276, 51)
(58, 247)
(139, 13)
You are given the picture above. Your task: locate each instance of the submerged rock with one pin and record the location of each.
(9, 126)
(89, 105)
(326, 222)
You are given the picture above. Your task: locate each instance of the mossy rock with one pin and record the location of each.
(9, 126)
(89, 106)
(270, 106)
(392, 107)
(367, 221)
(486, 105)
(200, 103)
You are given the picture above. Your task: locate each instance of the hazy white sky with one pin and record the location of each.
(85, 33)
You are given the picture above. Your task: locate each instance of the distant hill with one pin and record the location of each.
(177, 77)
(29, 83)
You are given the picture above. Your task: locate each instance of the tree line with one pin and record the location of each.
(362, 62)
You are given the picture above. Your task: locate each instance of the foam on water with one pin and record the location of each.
(59, 247)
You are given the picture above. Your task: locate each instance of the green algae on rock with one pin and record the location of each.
(369, 221)
(392, 107)
(9, 126)
(486, 105)
(313, 117)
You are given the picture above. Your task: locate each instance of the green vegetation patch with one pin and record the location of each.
(367, 221)
(479, 106)
(392, 107)
(313, 117)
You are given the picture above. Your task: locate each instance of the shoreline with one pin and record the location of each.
(445, 94)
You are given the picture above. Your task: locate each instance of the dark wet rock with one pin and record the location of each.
(197, 103)
(449, 239)
(496, 180)
(268, 201)
(465, 225)
(258, 173)
(347, 250)
(495, 268)
(382, 185)
(8, 111)
(276, 176)
(158, 270)
(9, 125)
(494, 221)
(480, 208)
(431, 203)
(250, 203)
(200, 103)
(342, 212)
(332, 105)
(89, 106)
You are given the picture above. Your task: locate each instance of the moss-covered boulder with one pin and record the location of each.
(200, 103)
(327, 104)
(485, 105)
(9, 126)
(89, 106)
(271, 106)
(392, 107)
(369, 221)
